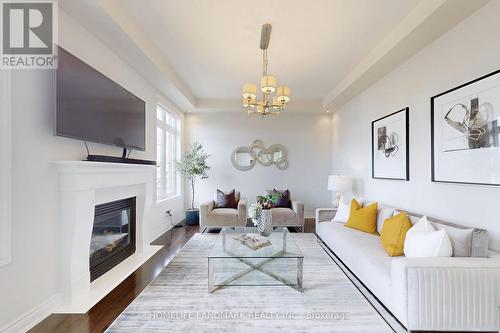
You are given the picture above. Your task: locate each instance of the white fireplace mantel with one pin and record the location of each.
(82, 186)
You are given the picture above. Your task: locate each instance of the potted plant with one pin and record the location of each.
(193, 167)
(261, 215)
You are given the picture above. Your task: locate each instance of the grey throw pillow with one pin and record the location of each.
(466, 242)
(480, 242)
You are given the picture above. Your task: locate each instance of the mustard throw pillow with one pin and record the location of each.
(363, 218)
(393, 234)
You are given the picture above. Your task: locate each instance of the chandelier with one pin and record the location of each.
(269, 104)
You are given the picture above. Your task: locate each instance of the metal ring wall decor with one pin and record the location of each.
(244, 158)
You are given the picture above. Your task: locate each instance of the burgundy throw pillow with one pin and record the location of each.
(283, 200)
(226, 200)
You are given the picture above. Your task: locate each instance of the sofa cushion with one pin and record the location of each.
(362, 254)
(224, 212)
(363, 218)
(423, 240)
(393, 234)
(224, 216)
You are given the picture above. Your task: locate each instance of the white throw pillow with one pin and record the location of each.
(383, 214)
(344, 210)
(423, 240)
(413, 219)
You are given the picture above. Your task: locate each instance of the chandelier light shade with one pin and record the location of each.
(268, 104)
(283, 94)
(268, 84)
(249, 91)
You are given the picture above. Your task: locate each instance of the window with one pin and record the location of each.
(168, 149)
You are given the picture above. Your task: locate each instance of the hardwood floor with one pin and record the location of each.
(105, 312)
(97, 319)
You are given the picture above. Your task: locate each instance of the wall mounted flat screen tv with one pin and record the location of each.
(94, 108)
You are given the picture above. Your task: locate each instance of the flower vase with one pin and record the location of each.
(265, 226)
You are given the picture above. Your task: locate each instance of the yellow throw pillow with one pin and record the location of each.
(363, 218)
(393, 234)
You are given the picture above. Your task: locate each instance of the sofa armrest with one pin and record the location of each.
(298, 208)
(242, 207)
(446, 293)
(324, 215)
(205, 209)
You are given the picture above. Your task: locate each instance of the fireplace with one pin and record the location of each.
(113, 235)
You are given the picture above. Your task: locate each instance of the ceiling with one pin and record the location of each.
(206, 50)
(214, 45)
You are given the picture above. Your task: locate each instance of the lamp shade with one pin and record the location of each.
(283, 94)
(268, 83)
(249, 91)
(338, 183)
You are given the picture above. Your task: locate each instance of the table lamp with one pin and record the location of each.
(339, 184)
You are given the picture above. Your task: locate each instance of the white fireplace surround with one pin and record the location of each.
(82, 186)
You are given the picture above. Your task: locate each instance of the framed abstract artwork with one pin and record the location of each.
(390, 146)
(465, 133)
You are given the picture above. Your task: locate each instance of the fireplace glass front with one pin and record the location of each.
(113, 235)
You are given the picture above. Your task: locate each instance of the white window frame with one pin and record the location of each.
(177, 131)
(5, 168)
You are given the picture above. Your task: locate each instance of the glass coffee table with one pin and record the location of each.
(231, 263)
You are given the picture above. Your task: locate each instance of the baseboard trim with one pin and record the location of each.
(30, 319)
(163, 229)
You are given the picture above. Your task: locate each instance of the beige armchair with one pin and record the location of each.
(289, 217)
(211, 216)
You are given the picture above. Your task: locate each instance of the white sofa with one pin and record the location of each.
(436, 294)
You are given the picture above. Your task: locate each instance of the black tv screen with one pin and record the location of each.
(92, 107)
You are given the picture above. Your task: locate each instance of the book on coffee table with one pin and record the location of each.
(253, 241)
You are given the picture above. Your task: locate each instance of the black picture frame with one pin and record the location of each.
(433, 158)
(406, 110)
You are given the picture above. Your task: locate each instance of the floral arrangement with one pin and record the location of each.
(262, 203)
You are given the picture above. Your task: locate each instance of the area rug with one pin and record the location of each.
(178, 300)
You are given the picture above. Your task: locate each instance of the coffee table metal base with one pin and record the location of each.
(297, 285)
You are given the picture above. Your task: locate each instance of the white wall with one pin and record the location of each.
(5, 168)
(306, 136)
(466, 52)
(32, 277)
